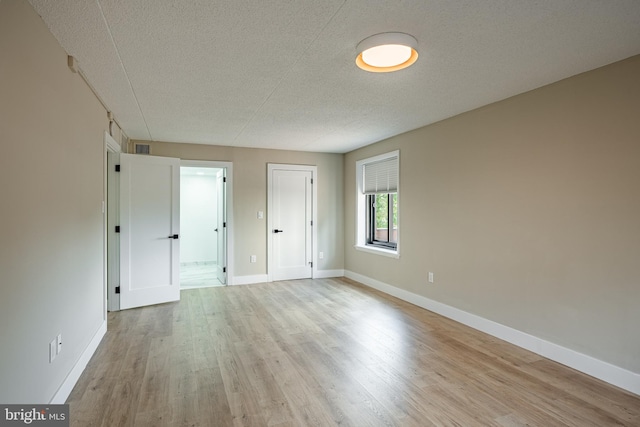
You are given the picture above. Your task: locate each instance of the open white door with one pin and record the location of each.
(290, 222)
(149, 230)
(221, 227)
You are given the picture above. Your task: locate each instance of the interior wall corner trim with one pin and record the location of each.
(249, 280)
(327, 274)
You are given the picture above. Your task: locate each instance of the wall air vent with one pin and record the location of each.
(142, 149)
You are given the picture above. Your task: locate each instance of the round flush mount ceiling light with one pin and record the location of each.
(386, 52)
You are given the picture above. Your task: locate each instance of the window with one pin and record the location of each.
(377, 207)
(382, 220)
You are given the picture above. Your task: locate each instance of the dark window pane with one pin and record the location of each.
(382, 220)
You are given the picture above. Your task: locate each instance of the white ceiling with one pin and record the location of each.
(281, 73)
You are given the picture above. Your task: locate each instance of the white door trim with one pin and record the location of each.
(112, 302)
(221, 226)
(314, 213)
(111, 144)
(229, 207)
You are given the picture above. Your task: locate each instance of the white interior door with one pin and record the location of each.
(290, 222)
(221, 227)
(149, 230)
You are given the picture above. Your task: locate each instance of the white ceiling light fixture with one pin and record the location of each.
(386, 52)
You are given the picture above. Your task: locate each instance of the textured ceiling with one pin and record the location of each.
(281, 73)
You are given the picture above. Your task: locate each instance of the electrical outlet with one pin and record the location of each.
(321, 255)
(58, 343)
(254, 258)
(260, 215)
(430, 277)
(52, 350)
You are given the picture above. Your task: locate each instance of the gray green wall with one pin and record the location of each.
(528, 213)
(250, 196)
(51, 182)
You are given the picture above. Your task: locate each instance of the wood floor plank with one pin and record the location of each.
(322, 353)
(212, 403)
(309, 407)
(622, 405)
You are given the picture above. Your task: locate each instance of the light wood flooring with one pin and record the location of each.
(324, 352)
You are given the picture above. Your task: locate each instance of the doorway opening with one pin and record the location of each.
(203, 226)
(121, 246)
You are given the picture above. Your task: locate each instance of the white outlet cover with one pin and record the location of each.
(58, 344)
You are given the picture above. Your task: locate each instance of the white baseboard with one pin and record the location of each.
(263, 278)
(325, 274)
(249, 280)
(604, 371)
(67, 386)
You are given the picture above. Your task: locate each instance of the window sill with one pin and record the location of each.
(378, 251)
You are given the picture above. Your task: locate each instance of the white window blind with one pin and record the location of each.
(381, 176)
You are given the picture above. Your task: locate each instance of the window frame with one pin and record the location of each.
(363, 221)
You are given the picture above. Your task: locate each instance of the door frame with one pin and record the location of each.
(221, 224)
(111, 239)
(228, 207)
(314, 214)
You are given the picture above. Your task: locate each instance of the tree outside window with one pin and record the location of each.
(383, 223)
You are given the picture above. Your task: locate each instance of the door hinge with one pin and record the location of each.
(117, 289)
(311, 223)
(311, 264)
(224, 269)
(311, 180)
(117, 228)
(224, 224)
(224, 179)
(117, 168)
